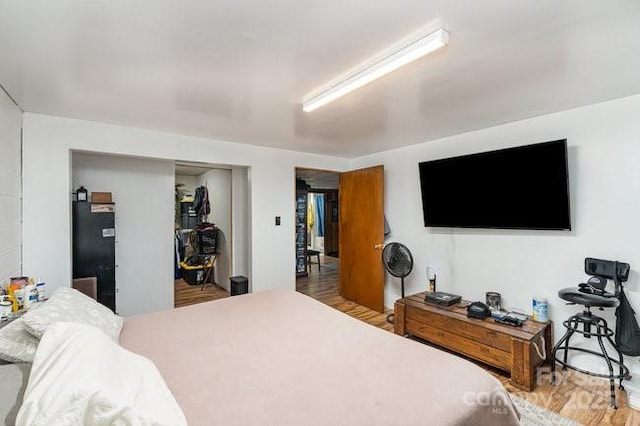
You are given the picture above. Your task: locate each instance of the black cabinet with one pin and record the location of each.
(94, 247)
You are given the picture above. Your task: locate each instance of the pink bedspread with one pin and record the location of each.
(281, 358)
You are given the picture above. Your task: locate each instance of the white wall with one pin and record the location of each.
(10, 189)
(604, 150)
(144, 195)
(218, 182)
(48, 140)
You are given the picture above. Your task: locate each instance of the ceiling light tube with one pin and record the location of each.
(409, 53)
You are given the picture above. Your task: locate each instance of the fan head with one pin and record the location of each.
(397, 259)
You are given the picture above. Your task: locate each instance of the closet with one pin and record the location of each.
(202, 206)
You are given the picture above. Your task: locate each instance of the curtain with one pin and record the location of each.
(319, 214)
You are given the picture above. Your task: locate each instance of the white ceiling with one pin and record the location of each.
(238, 70)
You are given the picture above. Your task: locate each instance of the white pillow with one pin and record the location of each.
(80, 377)
(16, 344)
(69, 305)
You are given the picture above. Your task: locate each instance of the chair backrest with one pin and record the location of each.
(87, 286)
(609, 269)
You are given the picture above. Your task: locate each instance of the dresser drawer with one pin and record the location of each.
(465, 328)
(457, 343)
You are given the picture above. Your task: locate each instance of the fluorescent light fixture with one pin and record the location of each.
(414, 50)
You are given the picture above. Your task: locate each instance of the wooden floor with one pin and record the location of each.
(577, 396)
(185, 294)
(323, 286)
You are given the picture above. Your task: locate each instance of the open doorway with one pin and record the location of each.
(210, 230)
(360, 229)
(317, 243)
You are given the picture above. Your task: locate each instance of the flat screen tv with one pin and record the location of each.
(525, 187)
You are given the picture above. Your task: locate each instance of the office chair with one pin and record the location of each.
(593, 294)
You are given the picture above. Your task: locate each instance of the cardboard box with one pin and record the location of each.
(101, 197)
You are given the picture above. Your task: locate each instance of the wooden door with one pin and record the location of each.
(361, 236)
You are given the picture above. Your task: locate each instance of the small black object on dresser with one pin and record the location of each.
(442, 298)
(478, 310)
(509, 320)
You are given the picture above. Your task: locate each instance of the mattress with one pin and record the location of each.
(278, 357)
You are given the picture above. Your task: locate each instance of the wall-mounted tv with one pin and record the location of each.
(525, 187)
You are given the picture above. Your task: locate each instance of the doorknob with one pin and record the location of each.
(378, 246)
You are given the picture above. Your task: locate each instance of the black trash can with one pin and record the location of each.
(239, 285)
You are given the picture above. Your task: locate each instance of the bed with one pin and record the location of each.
(275, 357)
(280, 357)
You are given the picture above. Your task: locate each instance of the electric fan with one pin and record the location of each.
(398, 261)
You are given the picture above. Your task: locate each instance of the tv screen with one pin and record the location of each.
(525, 187)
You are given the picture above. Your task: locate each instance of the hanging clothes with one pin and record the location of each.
(310, 214)
(201, 203)
(205, 208)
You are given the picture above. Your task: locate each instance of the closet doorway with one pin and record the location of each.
(203, 206)
(316, 241)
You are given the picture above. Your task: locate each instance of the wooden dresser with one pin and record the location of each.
(508, 348)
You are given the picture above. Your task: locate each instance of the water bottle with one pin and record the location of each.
(40, 287)
(30, 296)
(540, 309)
